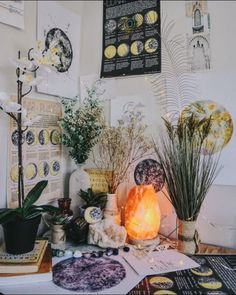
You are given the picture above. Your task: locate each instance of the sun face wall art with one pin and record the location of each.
(60, 28)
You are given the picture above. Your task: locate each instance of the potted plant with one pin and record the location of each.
(58, 228)
(20, 224)
(190, 166)
(81, 125)
(119, 147)
(77, 230)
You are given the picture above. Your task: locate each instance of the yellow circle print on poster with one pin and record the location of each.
(110, 51)
(161, 282)
(222, 123)
(123, 50)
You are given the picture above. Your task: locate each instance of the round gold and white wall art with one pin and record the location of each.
(123, 50)
(151, 17)
(31, 171)
(43, 169)
(222, 123)
(138, 18)
(151, 45)
(43, 137)
(136, 47)
(110, 51)
(14, 173)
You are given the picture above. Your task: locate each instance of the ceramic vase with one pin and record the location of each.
(79, 180)
(187, 237)
(58, 234)
(111, 210)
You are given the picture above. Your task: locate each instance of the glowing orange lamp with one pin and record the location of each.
(142, 215)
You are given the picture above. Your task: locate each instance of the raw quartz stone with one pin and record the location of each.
(107, 234)
(77, 254)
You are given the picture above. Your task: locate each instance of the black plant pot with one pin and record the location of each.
(20, 235)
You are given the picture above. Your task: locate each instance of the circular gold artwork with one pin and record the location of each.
(110, 51)
(210, 283)
(151, 17)
(123, 50)
(151, 45)
(161, 282)
(138, 19)
(136, 47)
(31, 171)
(14, 173)
(222, 123)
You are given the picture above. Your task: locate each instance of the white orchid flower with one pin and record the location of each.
(30, 80)
(24, 64)
(46, 59)
(30, 122)
(7, 105)
(11, 107)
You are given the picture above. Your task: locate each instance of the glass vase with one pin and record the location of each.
(79, 180)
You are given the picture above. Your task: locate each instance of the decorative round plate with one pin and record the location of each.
(222, 123)
(88, 274)
(149, 171)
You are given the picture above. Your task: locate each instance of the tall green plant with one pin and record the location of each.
(189, 165)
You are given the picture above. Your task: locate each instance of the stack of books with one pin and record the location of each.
(34, 266)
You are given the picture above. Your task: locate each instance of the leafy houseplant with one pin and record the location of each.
(82, 124)
(20, 224)
(190, 167)
(78, 228)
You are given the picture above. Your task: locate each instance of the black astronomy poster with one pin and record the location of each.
(131, 38)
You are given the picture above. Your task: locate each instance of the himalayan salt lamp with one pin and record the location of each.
(142, 215)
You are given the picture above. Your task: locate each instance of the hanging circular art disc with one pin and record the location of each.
(88, 274)
(149, 171)
(222, 123)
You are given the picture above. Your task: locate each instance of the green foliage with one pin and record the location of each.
(60, 219)
(94, 199)
(189, 164)
(28, 210)
(81, 125)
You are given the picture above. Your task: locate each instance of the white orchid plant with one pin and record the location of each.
(25, 71)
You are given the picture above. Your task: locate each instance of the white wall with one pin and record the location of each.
(219, 207)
